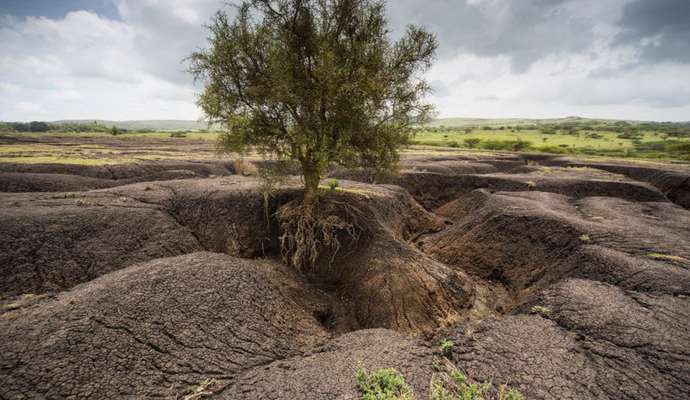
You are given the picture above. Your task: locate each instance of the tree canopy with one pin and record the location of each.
(317, 81)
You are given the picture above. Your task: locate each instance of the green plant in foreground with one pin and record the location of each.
(448, 384)
(668, 257)
(446, 347)
(456, 386)
(384, 384)
(541, 310)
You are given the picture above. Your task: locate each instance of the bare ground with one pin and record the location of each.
(562, 278)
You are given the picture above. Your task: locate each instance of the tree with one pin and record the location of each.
(114, 131)
(38, 126)
(471, 142)
(317, 81)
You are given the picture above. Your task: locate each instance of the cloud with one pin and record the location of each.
(524, 31)
(497, 58)
(87, 66)
(659, 28)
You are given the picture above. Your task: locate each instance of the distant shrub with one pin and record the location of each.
(454, 144)
(471, 142)
(552, 149)
(333, 185)
(680, 148)
(510, 145)
(521, 145)
(178, 134)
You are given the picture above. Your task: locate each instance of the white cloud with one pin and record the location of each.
(499, 58)
(86, 66)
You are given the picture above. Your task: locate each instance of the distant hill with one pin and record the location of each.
(460, 122)
(157, 125)
(185, 125)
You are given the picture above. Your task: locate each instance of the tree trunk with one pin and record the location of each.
(312, 177)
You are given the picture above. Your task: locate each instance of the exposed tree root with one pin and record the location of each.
(312, 233)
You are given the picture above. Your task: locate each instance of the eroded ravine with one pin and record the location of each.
(561, 282)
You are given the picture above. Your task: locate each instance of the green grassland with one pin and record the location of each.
(571, 135)
(577, 136)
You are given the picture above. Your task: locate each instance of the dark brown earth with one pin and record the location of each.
(565, 279)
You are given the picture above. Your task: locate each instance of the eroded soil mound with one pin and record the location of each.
(560, 279)
(57, 241)
(122, 171)
(312, 376)
(384, 281)
(159, 329)
(587, 340)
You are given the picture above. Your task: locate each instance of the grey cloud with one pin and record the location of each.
(440, 89)
(659, 28)
(165, 36)
(525, 30)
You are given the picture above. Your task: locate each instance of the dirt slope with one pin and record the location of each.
(157, 329)
(565, 280)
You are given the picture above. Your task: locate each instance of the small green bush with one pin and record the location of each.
(333, 185)
(446, 347)
(540, 310)
(456, 386)
(472, 142)
(384, 384)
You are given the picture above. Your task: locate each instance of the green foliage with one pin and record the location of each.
(333, 185)
(509, 394)
(471, 143)
(319, 82)
(384, 384)
(667, 257)
(178, 134)
(571, 136)
(510, 145)
(541, 310)
(446, 347)
(114, 131)
(454, 385)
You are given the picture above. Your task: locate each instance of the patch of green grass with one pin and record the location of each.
(541, 310)
(592, 140)
(384, 384)
(585, 237)
(333, 185)
(446, 347)
(667, 257)
(201, 390)
(454, 385)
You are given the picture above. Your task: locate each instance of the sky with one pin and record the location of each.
(123, 59)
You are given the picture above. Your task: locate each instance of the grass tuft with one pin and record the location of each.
(540, 310)
(446, 347)
(666, 257)
(384, 384)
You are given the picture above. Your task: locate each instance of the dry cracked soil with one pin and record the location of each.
(565, 279)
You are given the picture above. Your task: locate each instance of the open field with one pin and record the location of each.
(149, 267)
(576, 136)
